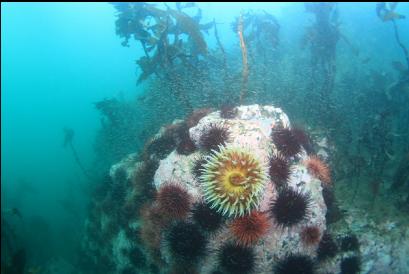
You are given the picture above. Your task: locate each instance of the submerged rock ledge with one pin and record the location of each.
(150, 237)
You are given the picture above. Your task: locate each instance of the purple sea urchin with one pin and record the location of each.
(286, 142)
(236, 259)
(327, 247)
(228, 111)
(214, 135)
(196, 115)
(207, 218)
(294, 264)
(186, 242)
(232, 181)
(303, 139)
(279, 169)
(197, 168)
(349, 243)
(185, 145)
(290, 207)
(351, 265)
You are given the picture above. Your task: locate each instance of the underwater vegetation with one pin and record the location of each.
(206, 185)
(169, 37)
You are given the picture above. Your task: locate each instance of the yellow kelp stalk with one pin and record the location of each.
(245, 72)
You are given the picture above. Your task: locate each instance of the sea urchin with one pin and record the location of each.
(236, 259)
(197, 168)
(310, 235)
(294, 264)
(186, 242)
(290, 207)
(279, 169)
(327, 247)
(349, 243)
(318, 169)
(248, 229)
(173, 201)
(207, 218)
(232, 181)
(351, 265)
(286, 142)
(214, 135)
(228, 111)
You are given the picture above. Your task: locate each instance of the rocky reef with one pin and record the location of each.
(233, 191)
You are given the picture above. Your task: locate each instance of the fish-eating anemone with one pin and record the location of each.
(233, 180)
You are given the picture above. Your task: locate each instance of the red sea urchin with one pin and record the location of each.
(214, 135)
(286, 142)
(233, 180)
(173, 201)
(290, 207)
(318, 169)
(279, 169)
(249, 229)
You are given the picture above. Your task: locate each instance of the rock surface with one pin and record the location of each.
(380, 248)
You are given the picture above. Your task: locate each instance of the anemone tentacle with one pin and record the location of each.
(233, 180)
